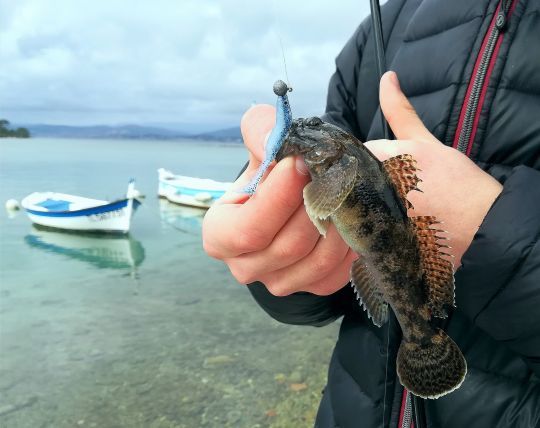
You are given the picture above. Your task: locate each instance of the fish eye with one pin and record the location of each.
(314, 121)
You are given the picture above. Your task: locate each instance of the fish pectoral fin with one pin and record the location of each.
(321, 224)
(326, 192)
(438, 270)
(368, 294)
(402, 172)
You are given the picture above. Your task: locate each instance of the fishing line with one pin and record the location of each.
(278, 24)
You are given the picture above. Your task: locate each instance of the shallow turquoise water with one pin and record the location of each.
(143, 331)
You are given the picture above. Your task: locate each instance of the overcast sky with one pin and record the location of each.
(81, 62)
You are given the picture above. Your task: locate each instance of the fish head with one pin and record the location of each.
(321, 144)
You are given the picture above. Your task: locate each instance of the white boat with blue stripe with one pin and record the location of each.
(191, 191)
(70, 212)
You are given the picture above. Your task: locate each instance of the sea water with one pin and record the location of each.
(143, 330)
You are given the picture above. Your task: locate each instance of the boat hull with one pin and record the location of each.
(114, 217)
(190, 191)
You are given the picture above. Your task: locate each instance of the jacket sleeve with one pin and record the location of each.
(498, 284)
(306, 308)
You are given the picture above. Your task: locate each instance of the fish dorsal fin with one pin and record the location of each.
(438, 269)
(326, 192)
(368, 294)
(402, 172)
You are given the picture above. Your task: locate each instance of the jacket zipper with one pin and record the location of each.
(474, 98)
(405, 416)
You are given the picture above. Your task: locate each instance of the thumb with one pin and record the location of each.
(255, 125)
(399, 112)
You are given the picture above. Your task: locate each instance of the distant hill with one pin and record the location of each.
(130, 132)
(228, 134)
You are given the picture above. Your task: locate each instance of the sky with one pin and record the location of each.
(176, 63)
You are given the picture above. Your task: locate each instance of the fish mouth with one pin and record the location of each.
(296, 141)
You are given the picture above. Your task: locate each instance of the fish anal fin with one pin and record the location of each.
(438, 270)
(401, 170)
(326, 192)
(368, 294)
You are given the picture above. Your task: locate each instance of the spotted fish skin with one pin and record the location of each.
(277, 135)
(353, 190)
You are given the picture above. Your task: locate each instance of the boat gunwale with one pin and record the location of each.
(97, 209)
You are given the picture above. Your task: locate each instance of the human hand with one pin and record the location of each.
(269, 237)
(456, 191)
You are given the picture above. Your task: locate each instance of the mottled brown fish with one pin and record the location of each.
(401, 261)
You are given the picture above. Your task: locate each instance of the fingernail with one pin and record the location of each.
(301, 166)
(266, 140)
(394, 79)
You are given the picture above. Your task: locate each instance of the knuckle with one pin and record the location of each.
(246, 241)
(287, 200)
(323, 264)
(326, 262)
(278, 289)
(322, 289)
(210, 249)
(332, 284)
(242, 275)
(290, 250)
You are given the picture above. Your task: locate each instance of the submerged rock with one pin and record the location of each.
(218, 360)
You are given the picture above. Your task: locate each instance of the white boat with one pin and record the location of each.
(192, 191)
(103, 252)
(70, 212)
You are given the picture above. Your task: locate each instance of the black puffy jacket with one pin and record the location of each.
(449, 55)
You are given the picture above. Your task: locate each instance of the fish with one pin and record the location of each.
(277, 135)
(401, 264)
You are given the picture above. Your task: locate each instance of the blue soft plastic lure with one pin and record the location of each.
(275, 140)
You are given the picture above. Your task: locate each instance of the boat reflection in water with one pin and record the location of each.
(181, 217)
(101, 251)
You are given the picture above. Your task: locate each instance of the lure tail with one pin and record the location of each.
(432, 369)
(254, 182)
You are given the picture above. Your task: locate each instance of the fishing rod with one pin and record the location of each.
(417, 403)
(381, 68)
(380, 55)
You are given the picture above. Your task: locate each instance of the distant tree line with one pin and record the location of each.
(17, 133)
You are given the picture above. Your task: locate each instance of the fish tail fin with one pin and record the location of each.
(433, 369)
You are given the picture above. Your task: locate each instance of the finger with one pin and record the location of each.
(385, 149)
(256, 125)
(329, 253)
(293, 242)
(253, 225)
(336, 280)
(399, 112)
(235, 195)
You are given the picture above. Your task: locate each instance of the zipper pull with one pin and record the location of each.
(501, 20)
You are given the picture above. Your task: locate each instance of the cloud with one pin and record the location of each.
(85, 62)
